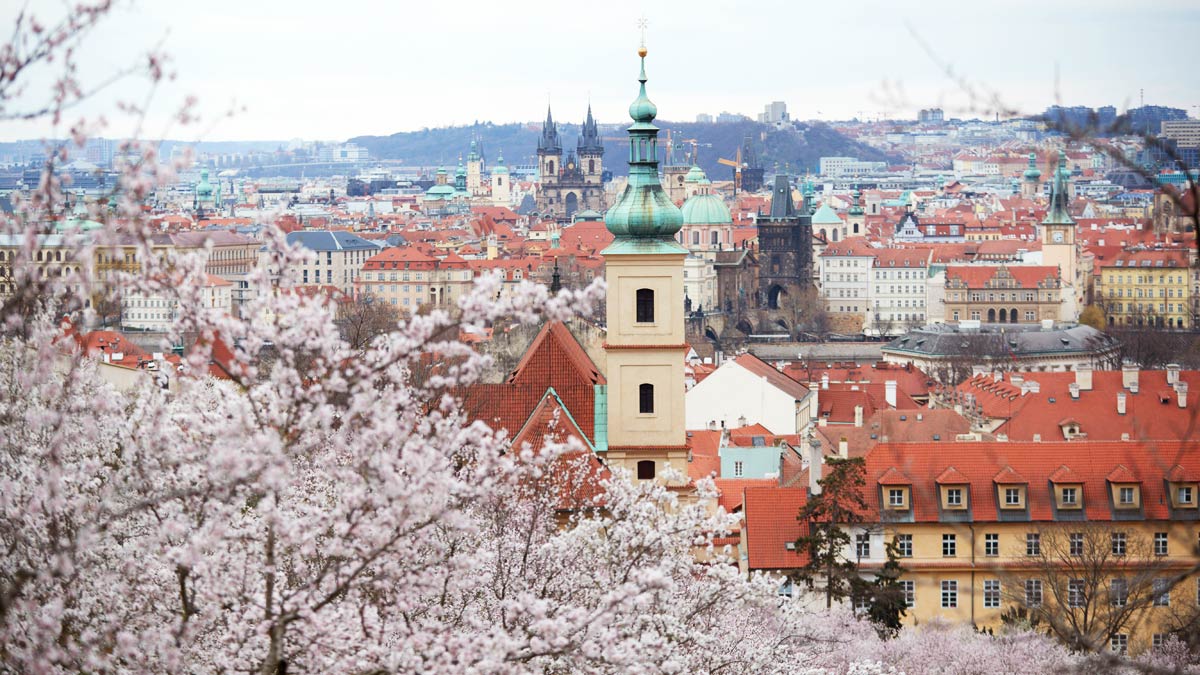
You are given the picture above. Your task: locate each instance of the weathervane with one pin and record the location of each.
(642, 27)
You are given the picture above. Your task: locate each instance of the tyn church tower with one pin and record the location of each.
(575, 184)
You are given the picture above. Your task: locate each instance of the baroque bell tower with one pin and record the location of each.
(644, 269)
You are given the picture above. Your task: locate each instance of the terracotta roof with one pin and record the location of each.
(951, 476)
(770, 525)
(1009, 476)
(894, 476)
(1122, 474)
(1088, 464)
(1026, 276)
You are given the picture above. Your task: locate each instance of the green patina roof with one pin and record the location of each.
(643, 210)
(204, 188)
(825, 216)
(706, 209)
(500, 168)
(440, 192)
(695, 175)
(1032, 173)
(1058, 213)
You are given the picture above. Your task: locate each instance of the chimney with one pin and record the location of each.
(998, 376)
(1120, 403)
(1074, 389)
(889, 393)
(1129, 376)
(1037, 438)
(843, 448)
(858, 415)
(825, 380)
(816, 460)
(1083, 376)
(741, 421)
(1181, 393)
(1172, 373)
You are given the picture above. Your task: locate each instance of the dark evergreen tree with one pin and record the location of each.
(887, 602)
(826, 516)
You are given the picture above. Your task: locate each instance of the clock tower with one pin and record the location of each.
(1057, 232)
(645, 343)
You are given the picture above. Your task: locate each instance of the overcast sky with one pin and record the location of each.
(332, 70)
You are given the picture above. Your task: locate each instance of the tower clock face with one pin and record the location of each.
(571, 166)
(1058, 237)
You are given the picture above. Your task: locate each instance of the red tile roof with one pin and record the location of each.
(775, 378)
(1088, 464)
(770, 525)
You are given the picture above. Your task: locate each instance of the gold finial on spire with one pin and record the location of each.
(642, 28)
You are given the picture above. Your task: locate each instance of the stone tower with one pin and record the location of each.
(644, 269)
(591, 151)
(501, 188)
(549, 151)
(1057, 232)
(475, 170)
(785, 246)
(1031, 185)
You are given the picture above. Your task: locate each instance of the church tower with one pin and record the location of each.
(549, 152)
(857, 221)
(474, 170)
(1057, 232)
(1031, 186)
(501, 189)
(591, 151)
(644, 270)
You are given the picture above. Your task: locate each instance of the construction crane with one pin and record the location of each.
(737, 170)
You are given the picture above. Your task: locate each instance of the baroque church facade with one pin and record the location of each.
(574, 184)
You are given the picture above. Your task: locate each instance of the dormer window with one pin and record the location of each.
(954, 496)
(1014, 497)
(1126, 496)
(1183, 496)
(897, 498)
(1069, 496)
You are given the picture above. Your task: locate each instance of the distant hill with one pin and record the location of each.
(799, 150)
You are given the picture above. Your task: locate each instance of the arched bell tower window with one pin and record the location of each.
(645, 305)
(645, 469)
(645, 398)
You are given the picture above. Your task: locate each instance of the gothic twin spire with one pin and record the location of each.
(589, 136)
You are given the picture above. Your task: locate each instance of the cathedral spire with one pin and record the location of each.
(549, 140)
(589, 136)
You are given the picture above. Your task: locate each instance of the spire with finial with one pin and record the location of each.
(549, 142)
(856, 208)
(555, 279)
(643, 211)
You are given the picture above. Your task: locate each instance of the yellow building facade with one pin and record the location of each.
(1146, 288)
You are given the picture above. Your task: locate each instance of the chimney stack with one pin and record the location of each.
(824, 380)
(1181, 393)
(843, 448)
(858, 415)
(1083, 376)
(889, 393)
(1120, 403)
(816, 460)
(1172, 373)
(1129, 376)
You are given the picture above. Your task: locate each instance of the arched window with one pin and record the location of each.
(835, 234)
(645, 305)
(1012, 315)
(646, 398)
(856, 228)
(591, 166)
(991, 316)
(696, 237)
(716, 238)
(550, 165)
(1003, 315)
(645, 469)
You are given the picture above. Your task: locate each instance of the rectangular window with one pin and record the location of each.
(991, 593)
(1160, 543)
(1069, 496)
(896, 497)
(1126, 495)
(645, 305)
(1076, 543)
(954, 496)
(949, 545)
(1185, 495)
(1119, 643)
(1012, 496)
(1033, 543)
(1033, 592)
(991, 544)
(910, 593)
(862, 545)
(1118, 591)
(1075, 593)
(645, 397)
(737, 468)
(904, 545)
(949, 594)
(1162, 593)
(1158, 639)
(1118, 543)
